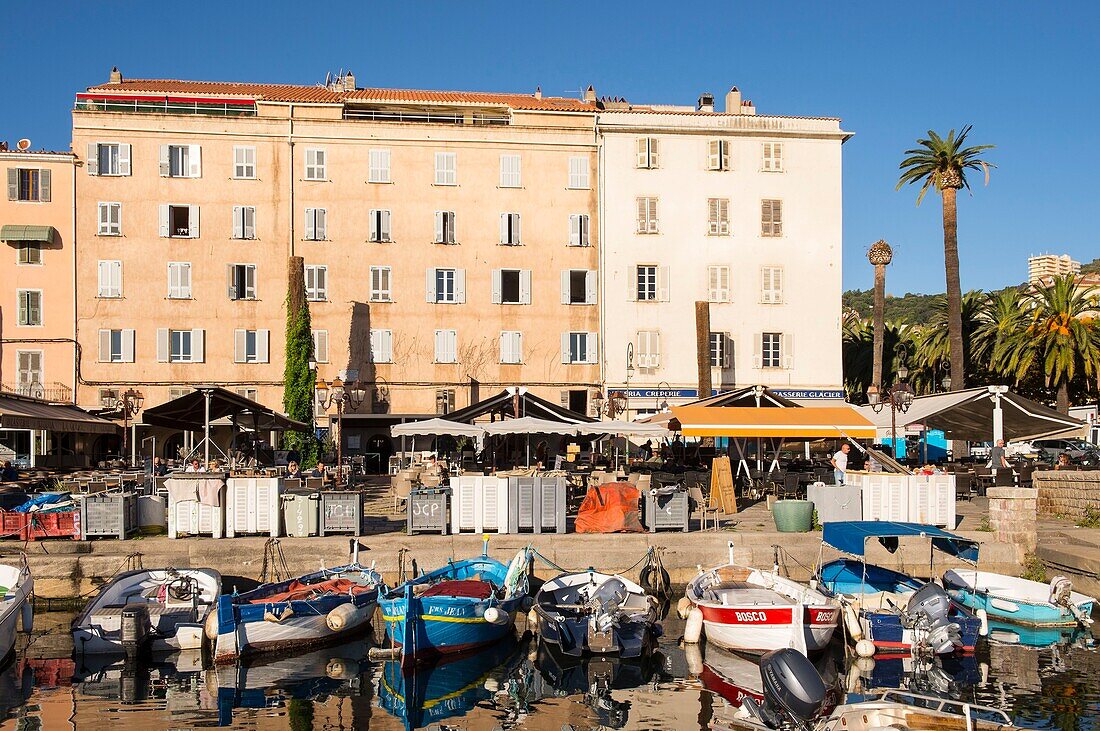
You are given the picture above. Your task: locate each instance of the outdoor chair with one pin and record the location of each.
(1024, 475)
(791, 487)
(964, 487)
(400, 488)
(95, 486)
(1004, 478)
(314, 483)
(707, 514)
(644, 483)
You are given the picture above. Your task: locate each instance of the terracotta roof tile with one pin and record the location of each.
(515, 101)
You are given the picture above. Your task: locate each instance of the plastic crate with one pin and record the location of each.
(34, 526)
(479, 504)
(300, 510)
(666, 510)
(341, 512)
(427, 511)
(252, 505)
(536, 504)
(108, 514)
(188, 516)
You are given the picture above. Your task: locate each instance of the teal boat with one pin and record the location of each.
(1020, 601)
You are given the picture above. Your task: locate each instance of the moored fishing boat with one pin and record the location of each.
(16, 586)
(318, 608)
(586, 612)
(749, 610)
(1019, 600)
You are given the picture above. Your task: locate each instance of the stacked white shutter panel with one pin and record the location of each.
(718, 156)
(380, 166)
(446, 172)
(773, 156)
(165, 161)
(772, 285)
(315, 164)
(445, 346)
(525, 286)
(381, 346)
(590, 287)
(104, 346)
(198, 346)
(162, 345)
(510, 171)
(578, 172)
(578, 229)
(123, 159)
(320, 346)
(718, 283)
(592, 353)
(91, 160)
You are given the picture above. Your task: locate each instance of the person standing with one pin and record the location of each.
(839, 461)
(997, 458)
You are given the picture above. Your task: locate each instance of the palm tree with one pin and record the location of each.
(943, 162)
(1060, 336)
(934, 344)
(858, 353)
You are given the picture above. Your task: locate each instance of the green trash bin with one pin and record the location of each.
(301, 513)
(793, 516)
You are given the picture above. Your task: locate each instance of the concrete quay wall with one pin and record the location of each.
(1066, 493)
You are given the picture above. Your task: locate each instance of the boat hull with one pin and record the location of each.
(753, 629)
(12, 607)
(569, 636)
(1011, 599)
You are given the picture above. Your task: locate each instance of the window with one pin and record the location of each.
(316, 283)
(28, 370)
(446, 286)
(444, 227)
(511, 347)
(718, 216)
(178, 221)
(650, 283)
(775, 351)
(721, 350)
(30, 252)
(176, 392)
(445, 346)
(773, 157)
(771, 292)
(578, 347)
(578, 172)
(380, 226)
(180, 346)
(241, 281)
(381, 346)
(315, 164)
(110, 278)
(771, 218)
(509, 171)
(320, 346)
(244, 162)
(110, 219)
(511, 287)
(648, 349)
(108, 158)
(444, 401)
(718, 283)
(179, 280)
(578, 229)
(578, 287)
(648, 152)
(250, 346)
(29, 184)
(380, 284)
(244, 222)
(249, 393)
(647, 215)
(576, 400)
(180, 161)
(446, 170)
(316, 219)
(116, 346)
(718, 155)
(379, 169)
(30, 306)
(509, 229)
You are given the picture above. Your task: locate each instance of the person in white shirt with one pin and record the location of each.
(839, 462)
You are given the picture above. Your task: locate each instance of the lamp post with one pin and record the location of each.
(128, 404)
(898, 397)
(342, 395)
(662, 405)
(598, 402)
(946, 382)
(629, 373)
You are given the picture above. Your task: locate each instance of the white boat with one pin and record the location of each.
(749, 610)
(1019, 600)
(17, 585)
(162, 610)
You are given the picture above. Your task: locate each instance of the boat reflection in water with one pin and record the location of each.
(735, 677)
(1015, 634)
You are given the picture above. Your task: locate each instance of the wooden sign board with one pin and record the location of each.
(722, 492)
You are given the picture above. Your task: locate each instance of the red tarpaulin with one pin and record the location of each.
(610, 508)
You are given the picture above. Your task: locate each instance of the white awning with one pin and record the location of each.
(436, 428)
(528, 425)
(624, 428)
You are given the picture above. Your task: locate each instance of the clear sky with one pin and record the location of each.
(1025, 74)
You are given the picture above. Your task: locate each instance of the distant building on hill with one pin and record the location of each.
(1045, 266)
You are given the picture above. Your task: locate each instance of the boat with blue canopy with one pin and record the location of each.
(896, 612)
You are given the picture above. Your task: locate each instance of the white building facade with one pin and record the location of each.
(738, 210)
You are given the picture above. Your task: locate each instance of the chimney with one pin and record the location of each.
(590, 95)
(349, 81)
(705, 103)
(538, 95)
(747, 107)
(733, 101)
(116, 76)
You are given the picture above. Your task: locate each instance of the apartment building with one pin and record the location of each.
(1047, 266)
(733, 208)
(449, 238)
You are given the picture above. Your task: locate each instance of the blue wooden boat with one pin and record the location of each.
(1020, 601)
(312, 610)
(896, 612)
(455, 608)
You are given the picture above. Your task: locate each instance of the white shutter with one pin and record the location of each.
(263, 342)
(590, 286)
(460, 286)
(92, 160)
(714, 155)
(565, 281)
(506, 347)
(193, 221)
(104, 278)
(116, 278)
(575, 230)
(238, 222)
(654, 346)
(322, 224)
(311, 227)
(712, 284)
(127, 345)
(231, 282)
(787, 355)
(712, 216)
(723, 216)
(385, 344)
(104, 346)
(439, 227)
(517, 236)
(320, 346)
(504, 228)
(123, 159)
(240, 346)
(440, 346)
(198, 346)
(757, 345)
(662, 284)
(654, 152)
(250, 281)
(452, 346)
(643, 152)
(632, 283)
(384, 220)
(592, 354)
(165, 161)
(496, 296)
(162, 345)
(565, 347)
(517, 346)
(164, 231)
(249, 222)
(430, 285)
(525, 286)
(194, 160)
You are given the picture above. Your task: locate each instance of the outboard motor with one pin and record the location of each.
(606, 602)
(134, 628)
(794, 693)
(927, 614)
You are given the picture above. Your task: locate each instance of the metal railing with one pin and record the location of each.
(58, 392)
(378, 115)
(163, 106)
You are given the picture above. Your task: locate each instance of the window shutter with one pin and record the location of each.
(249, 222)
(320, 346)
(662, 284)
(165, 162)
(250, 281)
(712, 216)
(505, 347)
(123, 159)
(777, 218)
(44, 185)
(430, 285)
(231, 282)
(240, 346)
(198, 346)
(460, 286)
(723, 216)
(104, 278)
(642, 226)
(652, 203)
(439, 227)
(13, 184)
(724, 147)
(194, 160)
(263, 338)
(565, 282)
(591, 354)
(104, 346)
(714, 155)
(116, 278)
(387, 341)
(504, 229)
(440, 347)
(654, 152)
(384, 220)
(654, 349)
(517, 237)
(777, 285)
(193, 221)
(91, 161)
(787, 355)
(238, 222)
(128, 346)
(565, 347)
(496, 296)
(322, 223)
(162, 345)
(590, 285)
(757, 345)
(632, 283)
(643, 152)
(164, 232)
(525, 286)
(712, 284)
(311, 226)
(574, 230)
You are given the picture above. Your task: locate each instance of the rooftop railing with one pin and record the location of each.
(58, 392)
(382, 115)
(164, 106)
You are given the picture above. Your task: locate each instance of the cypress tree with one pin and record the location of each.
(298, 378)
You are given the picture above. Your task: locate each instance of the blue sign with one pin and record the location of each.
(809, 393)
(660, 392)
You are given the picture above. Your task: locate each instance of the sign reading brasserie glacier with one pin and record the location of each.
(809, 393)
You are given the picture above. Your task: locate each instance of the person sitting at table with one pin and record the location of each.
(293, 472)
(1063, 462)
(9, 473)
(160, 469)
(213, 466)
(646, 450)
(194, 466)
(318, 471)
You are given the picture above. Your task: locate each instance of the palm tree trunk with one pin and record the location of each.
(880, 323)
(1063, 397)
(954, 287)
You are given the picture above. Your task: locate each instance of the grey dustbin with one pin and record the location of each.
(301, 511)
(667, 508)
(427, 510)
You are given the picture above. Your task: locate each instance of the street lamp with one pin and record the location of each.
(598, 402)
(662, 404)
(128, 405)
(946, 382)
(898, 397)
(629, 373)
(342, 395)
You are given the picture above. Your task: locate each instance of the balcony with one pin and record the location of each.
(424, 117)
(55, 393)
(151, 105)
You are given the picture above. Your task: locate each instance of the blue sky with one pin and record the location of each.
(1024, 74)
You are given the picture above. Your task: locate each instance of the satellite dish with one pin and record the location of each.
(24, 144)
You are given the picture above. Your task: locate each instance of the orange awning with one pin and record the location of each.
(812, 422)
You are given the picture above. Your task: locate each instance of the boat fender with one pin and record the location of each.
(983, 618)
(270, 616)
(851, 621)
(533, 622)
(693, 629)
(683, 607)
(26, 619)
(852, 684)
(491, 684)
(210, 627)
(865, 648)
(694, 657)
(343, 617)
(866, 666)
(494, 615)
(338, 668)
